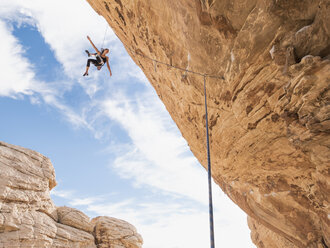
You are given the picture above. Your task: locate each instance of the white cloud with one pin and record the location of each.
(71, 116)
(158, 155)
(17, 76)
(84, 201)
(66, 194)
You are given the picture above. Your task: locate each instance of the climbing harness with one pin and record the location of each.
(99, 59)
(204, 75)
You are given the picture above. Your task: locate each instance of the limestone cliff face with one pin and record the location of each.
(29, 218)
(269, 118)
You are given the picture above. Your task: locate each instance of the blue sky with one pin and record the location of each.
(114, 147)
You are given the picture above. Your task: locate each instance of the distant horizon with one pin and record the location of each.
(115, 149)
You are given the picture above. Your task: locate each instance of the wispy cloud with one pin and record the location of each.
(159, 155)
(17, 77)
(66, 194)
(71, 116)
(85, 201)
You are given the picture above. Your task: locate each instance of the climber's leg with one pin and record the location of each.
(89, 61)
(94, 62)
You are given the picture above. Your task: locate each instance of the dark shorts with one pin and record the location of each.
(96, 62)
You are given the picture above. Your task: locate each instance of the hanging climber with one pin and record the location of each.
(100, 58)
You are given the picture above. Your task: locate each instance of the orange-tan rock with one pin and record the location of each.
(29, 218)
(269, 117)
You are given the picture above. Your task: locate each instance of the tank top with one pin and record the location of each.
(100, 59)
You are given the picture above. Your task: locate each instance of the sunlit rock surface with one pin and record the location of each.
(269, 118)
(29, 218)
(111, 232)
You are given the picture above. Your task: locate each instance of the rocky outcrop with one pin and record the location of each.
(116, 232)
(29, 218)
(269, 117)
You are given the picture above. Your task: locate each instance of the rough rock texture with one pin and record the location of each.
(29, 218)
(118, 233)
(269, 118)
(264, 237)
(74, 218)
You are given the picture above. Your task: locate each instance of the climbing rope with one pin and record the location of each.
(212, 242)
(209, 171)
(105, 33)
(179, 68)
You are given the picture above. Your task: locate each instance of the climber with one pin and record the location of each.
(100, 58)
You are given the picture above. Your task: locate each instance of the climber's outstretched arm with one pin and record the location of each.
(108, 65)
(97, 50)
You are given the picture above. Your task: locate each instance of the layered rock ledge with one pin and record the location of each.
(269, 118)
(29, 218)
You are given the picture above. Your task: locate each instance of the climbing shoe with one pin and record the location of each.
(88, 53)
(85, 74)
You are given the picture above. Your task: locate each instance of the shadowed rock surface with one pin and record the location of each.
(29, 218)
(269, 118)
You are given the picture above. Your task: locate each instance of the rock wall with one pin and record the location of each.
(29, 218)
(269, 117)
